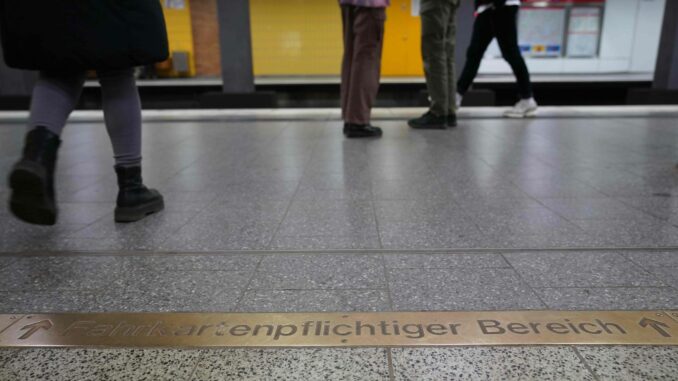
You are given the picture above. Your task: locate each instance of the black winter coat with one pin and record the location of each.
(497, 3)
(82, 34)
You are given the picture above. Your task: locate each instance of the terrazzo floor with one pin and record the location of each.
(269, 214)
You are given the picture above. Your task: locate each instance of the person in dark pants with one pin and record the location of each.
(438, 40)
(363, 26)
(63, 40)
(498, 19)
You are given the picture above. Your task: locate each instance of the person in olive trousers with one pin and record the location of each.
(63, 40)
(438, 40)
(363, 27)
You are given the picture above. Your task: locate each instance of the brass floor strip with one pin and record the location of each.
(341, 329)
(7, 321)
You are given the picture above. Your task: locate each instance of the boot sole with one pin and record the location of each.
(358, 135)
(29, 201)
(435, 127)
(129, 214)
(428, 126)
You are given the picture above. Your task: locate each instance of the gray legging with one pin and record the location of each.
(56, 95)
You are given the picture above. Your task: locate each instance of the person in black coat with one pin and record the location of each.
(498, 19)
(63, 40)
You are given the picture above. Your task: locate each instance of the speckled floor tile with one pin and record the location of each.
(293, 364)
(184, 281)
(492, 363)
(474, 260)
(273, 190)
(320, 271)
(197, 239)
(650, 259)
(199, 299)
(179, 262)
(5, 355)
(84, 213)
(559, 189)
(663, 208)
(5, 261)
(100, 364)
(325, 242)
(632, 363)
(591, 208)
(460, 290)
(52, 244)
(229, 226)
(60, 273)
(618, 298)
(580, 269)
(410, 190)
(632, 233)
(543, 241)
(314, 301)
(526, 222)
(329, 217)
(668, 275)
(425, 239)
(158, 225)
(48, 301)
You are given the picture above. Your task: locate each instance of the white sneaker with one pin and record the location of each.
(526, 108)
(458, 98)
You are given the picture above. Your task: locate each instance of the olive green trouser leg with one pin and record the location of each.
(438, 37)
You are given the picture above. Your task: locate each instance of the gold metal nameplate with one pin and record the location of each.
(341, 329)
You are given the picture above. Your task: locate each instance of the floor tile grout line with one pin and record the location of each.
(376, 217)
(389, 359)
(289, 205)
(584, 362)
(639, 209)
(647, 270)
(387, 279)
(246, 289)
(600, 287)
(191, 219)
(526, 283)
(201, 356)
(415, 251)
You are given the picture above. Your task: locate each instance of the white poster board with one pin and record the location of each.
(541, 31)
(583, 32)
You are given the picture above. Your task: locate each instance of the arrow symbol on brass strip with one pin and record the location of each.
(35, 327)
(657, 325)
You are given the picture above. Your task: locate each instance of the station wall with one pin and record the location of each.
(303, 38)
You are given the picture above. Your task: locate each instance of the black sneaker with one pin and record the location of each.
(362, 131)
(452, 120)
(429, 121)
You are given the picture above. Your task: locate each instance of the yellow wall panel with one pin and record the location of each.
(402, 44)
(304, 37)
(296, 37)
(180, 31)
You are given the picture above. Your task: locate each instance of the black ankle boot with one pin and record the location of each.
(362, 131)
(32, 179)
(135, 201)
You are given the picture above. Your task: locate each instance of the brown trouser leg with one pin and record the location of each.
(361, 68)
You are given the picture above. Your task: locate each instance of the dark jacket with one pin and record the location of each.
(82, 34)
(497, 3)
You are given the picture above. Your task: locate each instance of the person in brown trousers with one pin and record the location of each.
(363, 25)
